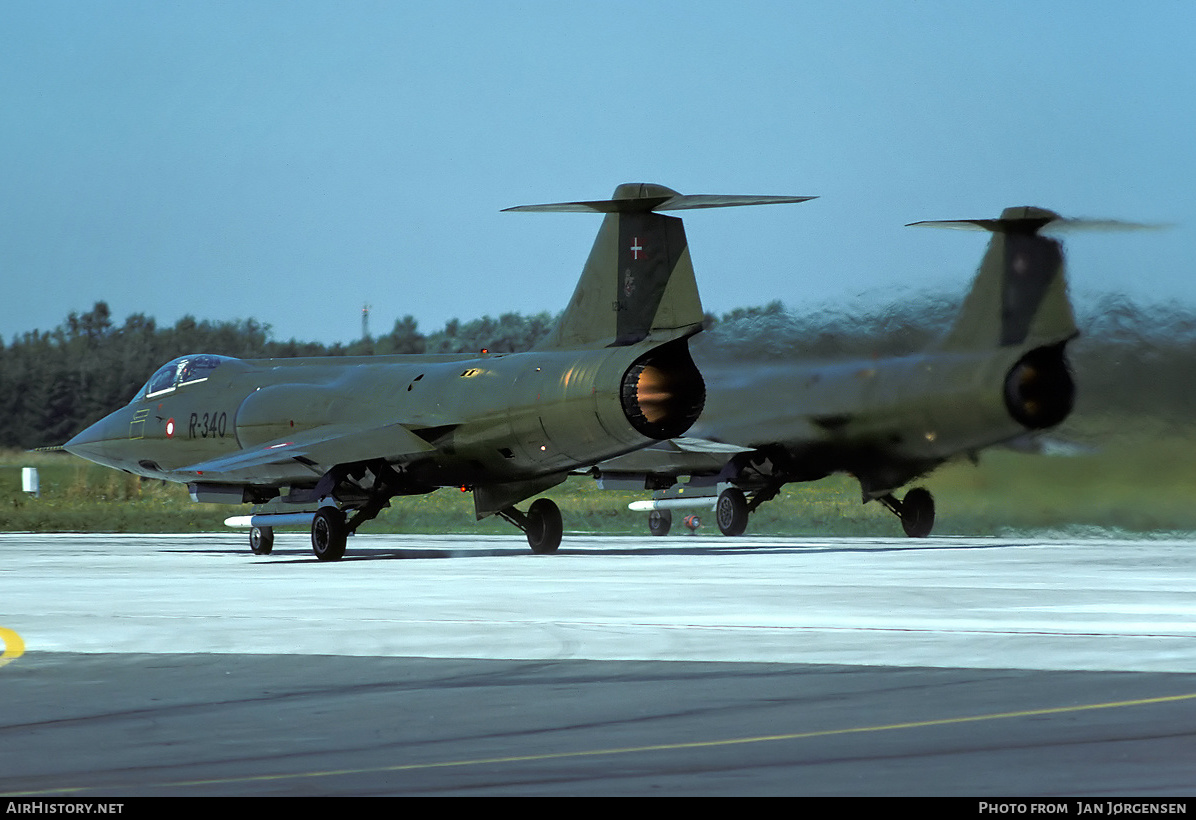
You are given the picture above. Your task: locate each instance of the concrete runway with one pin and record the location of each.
(171, 665)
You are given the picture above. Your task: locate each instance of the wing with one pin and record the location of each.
(704, 445)
(312, 452)
(679, 456)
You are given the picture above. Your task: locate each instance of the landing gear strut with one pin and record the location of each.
(916, 511)
(541, 524)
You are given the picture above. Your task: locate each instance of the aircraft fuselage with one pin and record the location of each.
(451, 420)
(886, 420)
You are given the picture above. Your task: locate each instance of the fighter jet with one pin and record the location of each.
(328, 442)
(1000, 373)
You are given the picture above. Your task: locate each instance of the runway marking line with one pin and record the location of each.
(14, 647)
(697, 744)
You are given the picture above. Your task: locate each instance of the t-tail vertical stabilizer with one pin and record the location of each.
(638, 282)
(1019, 296)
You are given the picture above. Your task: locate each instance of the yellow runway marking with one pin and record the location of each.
(699, 744)
(14, 647)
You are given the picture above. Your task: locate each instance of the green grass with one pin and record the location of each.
(1141, 482)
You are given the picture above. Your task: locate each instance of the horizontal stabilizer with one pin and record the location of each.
(644, 197)
(1019, 295)
(1031, 220)
(638, 281)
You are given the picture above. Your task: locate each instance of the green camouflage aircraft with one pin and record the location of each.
(1000, 373)
(330, 441)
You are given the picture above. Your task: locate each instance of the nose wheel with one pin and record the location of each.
(660, 522)
(261, 540)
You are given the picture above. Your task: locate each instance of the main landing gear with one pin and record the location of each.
(329, 534)
(916, 511)
(731, 512)
(330, 530)
(541, 524)
(732, 508)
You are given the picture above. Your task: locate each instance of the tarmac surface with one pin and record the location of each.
(453, 665)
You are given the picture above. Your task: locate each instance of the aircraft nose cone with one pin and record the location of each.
(91, 443)
(82, 444)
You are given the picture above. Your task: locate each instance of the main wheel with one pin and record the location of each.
(544, 526)
(917, 513)
(261, 540)
(731, 512)
(329, 534)
(660, 522)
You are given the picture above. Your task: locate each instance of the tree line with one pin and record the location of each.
(1130, 358)
(54, 383)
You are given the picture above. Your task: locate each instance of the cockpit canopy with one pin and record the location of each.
(181, 372)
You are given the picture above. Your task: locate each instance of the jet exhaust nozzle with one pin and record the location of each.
(663, 393)
(1039, 389)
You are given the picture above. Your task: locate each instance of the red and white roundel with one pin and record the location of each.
(170, 428)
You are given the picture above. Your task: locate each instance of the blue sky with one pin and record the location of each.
(292, 161)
